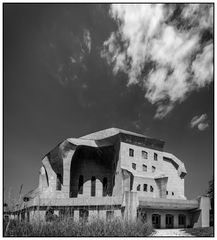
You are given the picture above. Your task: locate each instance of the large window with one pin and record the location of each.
(182, 219)
(131, 152)
(144, 154)
(144, 168)
(93, 186)
(58, 182)
(145, 187)
(80, 184)
(105, 186)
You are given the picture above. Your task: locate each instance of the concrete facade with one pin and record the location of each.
(114, 173)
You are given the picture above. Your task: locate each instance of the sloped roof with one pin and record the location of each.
(108, 133)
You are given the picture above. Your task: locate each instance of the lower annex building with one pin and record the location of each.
(114, 173)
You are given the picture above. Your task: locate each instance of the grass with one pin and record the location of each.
(69, 228)
(201, 232)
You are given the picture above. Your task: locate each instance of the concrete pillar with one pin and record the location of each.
(131, 200)
(66, 173)
(162, 220)
(176, 220)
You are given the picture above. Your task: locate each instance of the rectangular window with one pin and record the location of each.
(153, 169)
(134, 166)
(167, 193)
(144, 154)
(144, 168)
(131, 152)
(151, 189)
(155, 156)
(145, 187)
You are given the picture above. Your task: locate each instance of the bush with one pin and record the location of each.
(69, 228)
(201, 232)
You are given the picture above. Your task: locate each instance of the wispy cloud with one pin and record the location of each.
(200, 122)
(167, 49)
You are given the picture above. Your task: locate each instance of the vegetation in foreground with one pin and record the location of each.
(201, 232)
(67, 227)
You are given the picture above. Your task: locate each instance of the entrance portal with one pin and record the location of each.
(156, 220)
(169, 221)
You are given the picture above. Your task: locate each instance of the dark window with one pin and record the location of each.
(182, 219)
(166, 192)
(151, 189)
(105, 186)
(155, 156)
(153, 169)
(131, 152)
(93, 186)
(83, 215)
(144, 154)
(138, 188)
(80, 184)
(173, 193)
(134, 166)
(144, 168)
(58, 182)
(109, 215)
(145, 187)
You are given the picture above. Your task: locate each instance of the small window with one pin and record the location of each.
(134, 166)
(166, 192)
(151, 189)
(153, 169)
(138, 188)
(145, 187)
(144, 154)
(173, 193)
(105, 186)
(144, 168)
(155, 156)
(131, 152)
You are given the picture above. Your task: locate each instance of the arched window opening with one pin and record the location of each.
(145, 187)
(155, 156)
(80, 184)
(58, 182)
(93, 186)
(153, 169)
(134, 166)
(144, 168)
(105, 186)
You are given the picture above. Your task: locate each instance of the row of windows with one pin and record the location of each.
(144, 167)
(145, 188)
(93, 186)
(144, 154)
(167, 193)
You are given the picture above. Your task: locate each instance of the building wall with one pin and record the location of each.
(175, 184)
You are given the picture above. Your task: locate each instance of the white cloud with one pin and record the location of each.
(200, 122)
(181, 63)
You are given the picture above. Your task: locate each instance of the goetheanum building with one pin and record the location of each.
(114, 173)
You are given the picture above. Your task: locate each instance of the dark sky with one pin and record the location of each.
(57, 86)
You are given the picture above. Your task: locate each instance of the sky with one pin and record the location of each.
(73, 69)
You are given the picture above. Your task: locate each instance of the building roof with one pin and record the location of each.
(110, 132)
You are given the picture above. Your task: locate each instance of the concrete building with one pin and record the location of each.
(114, 173)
